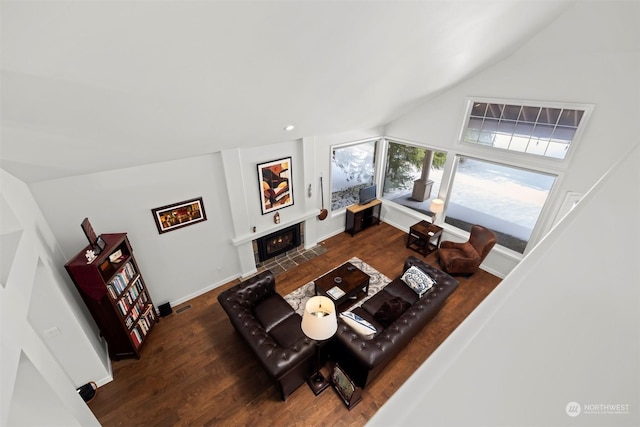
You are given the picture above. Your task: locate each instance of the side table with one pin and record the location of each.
(424, 237)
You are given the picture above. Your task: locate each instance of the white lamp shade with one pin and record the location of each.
(319, 320)
(437, 206)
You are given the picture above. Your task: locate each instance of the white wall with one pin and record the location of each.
(562, 327)
(177, 264)
(192, 260)
(588, 55)
(38, 369)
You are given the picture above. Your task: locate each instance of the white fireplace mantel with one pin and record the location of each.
(249, 237)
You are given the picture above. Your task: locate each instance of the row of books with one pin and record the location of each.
(129, 297)
(121, 280)
(143, 326)
(131, 294)
(136, 311)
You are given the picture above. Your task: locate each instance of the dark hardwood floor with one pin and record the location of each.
(195, 370)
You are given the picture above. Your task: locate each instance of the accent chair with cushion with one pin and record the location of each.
(464, 258)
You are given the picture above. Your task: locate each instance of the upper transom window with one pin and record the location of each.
(539, 130)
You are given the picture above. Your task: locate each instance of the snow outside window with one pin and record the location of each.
(505, 199)
(352, 168)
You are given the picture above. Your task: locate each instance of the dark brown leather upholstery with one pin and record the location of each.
(272, 330)
(365, 358)
(465, 258)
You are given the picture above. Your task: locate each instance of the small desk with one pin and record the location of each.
(424, 237)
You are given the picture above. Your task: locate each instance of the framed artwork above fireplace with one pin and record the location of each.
(276, 186)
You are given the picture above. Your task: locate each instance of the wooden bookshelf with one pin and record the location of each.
(114, 291)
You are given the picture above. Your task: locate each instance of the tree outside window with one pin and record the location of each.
(406, 165)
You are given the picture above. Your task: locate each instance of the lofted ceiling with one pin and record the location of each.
(98, 85)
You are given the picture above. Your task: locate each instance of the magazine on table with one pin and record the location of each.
(335, 292)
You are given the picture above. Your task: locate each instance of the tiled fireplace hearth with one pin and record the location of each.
(283, 249)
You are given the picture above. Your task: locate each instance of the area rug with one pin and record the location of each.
(298, 298)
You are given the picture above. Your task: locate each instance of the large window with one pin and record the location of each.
(506, 199)
(352, 168)
(408, 170)
(543, 131)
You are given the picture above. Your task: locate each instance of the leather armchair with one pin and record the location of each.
(465, 257)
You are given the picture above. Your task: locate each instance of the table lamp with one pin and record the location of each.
(319, 323)
(437, 206)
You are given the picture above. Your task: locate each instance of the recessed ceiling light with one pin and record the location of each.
(289, 127)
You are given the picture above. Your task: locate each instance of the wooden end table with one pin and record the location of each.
(352, 283)
(424, 237)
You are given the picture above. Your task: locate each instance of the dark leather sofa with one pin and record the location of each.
(365, 357)
(271, 328)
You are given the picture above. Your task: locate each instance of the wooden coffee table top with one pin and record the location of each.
(351, 280)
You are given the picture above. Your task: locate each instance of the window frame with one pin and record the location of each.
(446, 169)
(537, 229)
(378, 142)
(529, 160)
(522, 160)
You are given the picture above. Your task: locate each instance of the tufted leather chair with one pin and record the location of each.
(465, 258)
(272, 330)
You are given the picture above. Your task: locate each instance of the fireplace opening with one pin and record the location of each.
(278, 242)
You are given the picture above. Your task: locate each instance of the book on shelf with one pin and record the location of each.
(121, 279)
(335, 292)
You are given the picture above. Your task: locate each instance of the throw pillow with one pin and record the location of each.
(418, 280)
(361, 326)
(390, 310)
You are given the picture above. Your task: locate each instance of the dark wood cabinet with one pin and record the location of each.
(114, 291)
(360, 217)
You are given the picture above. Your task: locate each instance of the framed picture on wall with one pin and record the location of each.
(276, 187)
(178, 215)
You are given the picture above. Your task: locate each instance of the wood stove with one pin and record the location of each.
(278, 242)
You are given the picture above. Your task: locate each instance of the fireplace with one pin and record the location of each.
(278, 242)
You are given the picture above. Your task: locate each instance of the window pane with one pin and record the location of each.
(529, 114)
(479, 109)
(522, 128)
(570, 118)
(549, 116)
(564, 134)
(404, 166)
(494, 110)
(511, 112)
(557, 149)
(352, 168)
(506, 199)
(537, 146)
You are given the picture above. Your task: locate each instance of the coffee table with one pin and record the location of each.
(344, 284)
